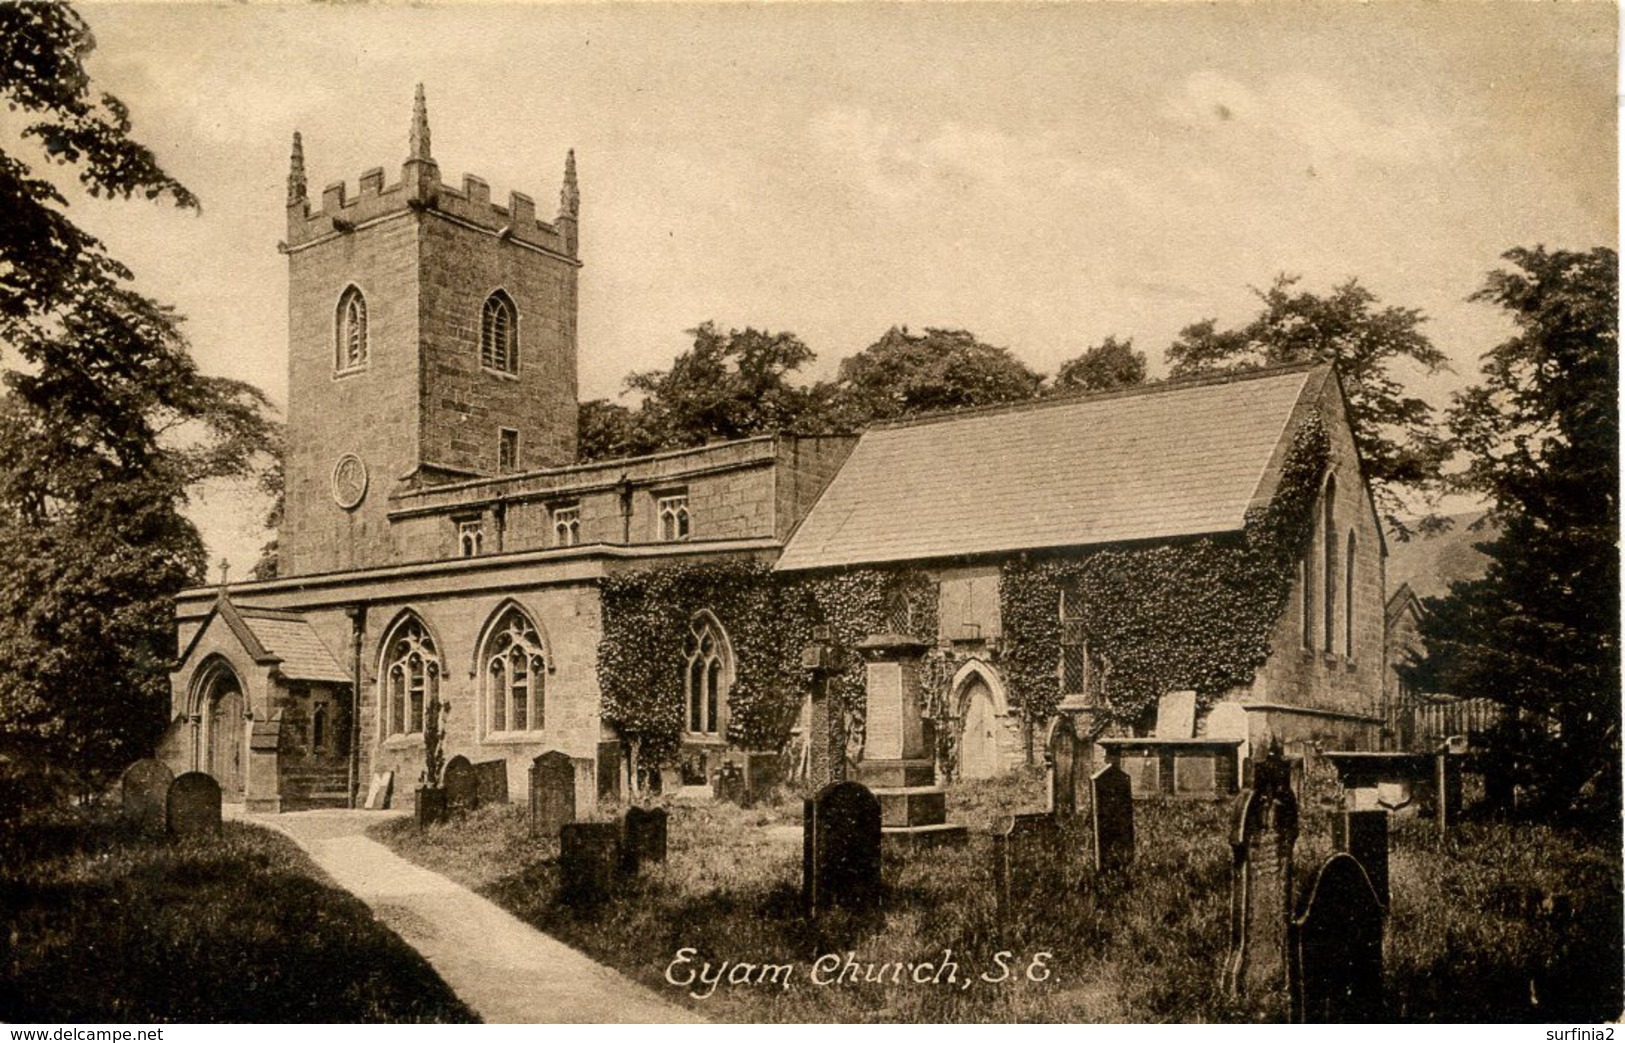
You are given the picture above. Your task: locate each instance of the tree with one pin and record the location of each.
(1539, 632)
(105, 424)
(607, 430)
(905, 373)
(1399, 445)
(1107, 366)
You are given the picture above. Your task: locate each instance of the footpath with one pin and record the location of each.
(506, 970)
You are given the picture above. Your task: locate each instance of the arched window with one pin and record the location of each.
(515, 669)
(706, 676)
(1306, 585)
(410, 677)
(1328, 543)
(352, 331)
(1348, 599)
(499, 334)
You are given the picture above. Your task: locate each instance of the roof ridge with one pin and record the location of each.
(1232, 376)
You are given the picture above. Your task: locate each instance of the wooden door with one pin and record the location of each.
(227, 738)
(978, 742)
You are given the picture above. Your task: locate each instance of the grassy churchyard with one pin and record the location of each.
(1499, 922)
(107, 924)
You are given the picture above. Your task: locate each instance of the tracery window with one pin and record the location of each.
(411, 677)
(515, 670)
(567, 526)
(470, 539)
(351, 329)
(706, 676)
(672, 512)
(499, 334)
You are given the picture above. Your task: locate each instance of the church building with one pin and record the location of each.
(442, 545)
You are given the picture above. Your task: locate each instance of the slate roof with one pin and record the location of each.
(291, 639)
(1174, 459)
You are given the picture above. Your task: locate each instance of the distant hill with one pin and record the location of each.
(1431, 563)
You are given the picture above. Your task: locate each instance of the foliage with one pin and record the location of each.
(903, 374)
(1540, 631)
(105, 423)
(1400, 451)
(1187, 614)
(1108, 366)
(273, 486)
(107, 926)
(607, 430)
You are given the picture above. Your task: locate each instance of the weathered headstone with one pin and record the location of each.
(589, 860)
(458, 780)
(730, 784)
(1364, 834)
(145, 792)
(1112, 819)
(643, 836)
(1176, 715)
(840, 862)
(552, 793)
(1447, 791)
(379, 790)
(1336, 965)
(1061, 756)
(1026, 853)
(1263, 832)
(490, 783)
(609, 772)
(193, 805)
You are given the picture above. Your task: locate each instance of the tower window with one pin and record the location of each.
(507, 450)
(351, 331)
(567, 526)
(470, 538)
(672, 512)
(499, 334)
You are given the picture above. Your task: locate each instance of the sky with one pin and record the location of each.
(1042, 175)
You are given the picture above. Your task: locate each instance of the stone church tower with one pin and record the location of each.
(431, 338)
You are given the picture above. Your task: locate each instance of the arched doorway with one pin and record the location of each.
(978, 736)
(224, 732)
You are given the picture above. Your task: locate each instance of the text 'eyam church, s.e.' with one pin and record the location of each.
(442, 545)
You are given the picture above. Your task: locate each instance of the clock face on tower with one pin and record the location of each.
(349, 481)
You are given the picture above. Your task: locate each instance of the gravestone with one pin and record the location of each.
(764, 773)
(643, 836)
(1176, 715)
(730, 784)
(193, 805)
(1447, 791)
(609, 772)
(458, 781)
(1229, 721)
(145, 793)
(1364, 834)
(589, 860)
(1061, 755)
(1336, 965)
(552, 793)
(1263, 832)
(490, 782)
(1026, 854)
(379, 790)
(840, 854)
(826, 737)
(1112, 819)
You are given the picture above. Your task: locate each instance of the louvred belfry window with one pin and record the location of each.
(352, 331)
(499, 334)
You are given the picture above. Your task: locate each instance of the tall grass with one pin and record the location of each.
(1147, 946)
(108, 925)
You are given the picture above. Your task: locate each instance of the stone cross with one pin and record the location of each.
(826, 738)
(193, 805)
(1336, 964)
(1112, 819)
(552, 793)
(840, 853)
(1263, 833)
(1364, 834)
(145, 792)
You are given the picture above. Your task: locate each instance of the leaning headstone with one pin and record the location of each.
(552, 793)
(490, 783)
(589, 859)
(840, 863)
(145, 792)
(1112, 819)
(643, 836)
(1061, 756)
(193, 805)
(1176, 715)
(1336, 965)
(379, 790)
(1263, 832)
(459, 784)
(1026, 854)
(1364, 834)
